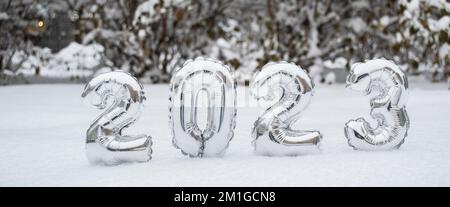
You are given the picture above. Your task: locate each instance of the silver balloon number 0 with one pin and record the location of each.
(214, 81)
(272, 132)
(387, 85)
(121, 97)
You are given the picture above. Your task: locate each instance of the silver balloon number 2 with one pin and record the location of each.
(121, 97)
(212, 80)
(272, 132)
(387, 85)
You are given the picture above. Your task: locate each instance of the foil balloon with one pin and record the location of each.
(272, 132)
(121, 97)
(212, 80)
(387, 86)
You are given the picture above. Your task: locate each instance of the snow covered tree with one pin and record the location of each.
(169, 32)
(415, 33)
(149, 38)
(21, 23)
(423, 39)
(160, 36)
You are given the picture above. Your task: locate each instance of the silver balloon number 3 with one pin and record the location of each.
(214, 81)
(387, 85)
(121, 97)
(272, 132)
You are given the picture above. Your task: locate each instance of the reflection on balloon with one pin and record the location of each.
(272, 132)
(387, 86)
(211, 79)
(121, 97)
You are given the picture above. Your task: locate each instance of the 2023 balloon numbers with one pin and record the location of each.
(121, 97)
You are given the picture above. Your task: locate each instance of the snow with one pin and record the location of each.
(361, 4)
(444, 51)
(385, 20)
(141, 34)
(339, 63)
(42, 130)
(330, 78)
(442, 24)
(145, 11)
(87, 55)
(4, 16)
(73, 60)
(412, 8)
(442, 4)
(413, 11)
(358, 25)
(314, 50)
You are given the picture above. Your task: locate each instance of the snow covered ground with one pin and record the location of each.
(42, 134)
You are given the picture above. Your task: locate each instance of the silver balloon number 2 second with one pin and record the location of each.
(272, 132)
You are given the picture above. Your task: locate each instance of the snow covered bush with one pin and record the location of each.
(150, 38)
(172, 31)
(20, 26)
(414, 33)
(424, 36)
(73, 61)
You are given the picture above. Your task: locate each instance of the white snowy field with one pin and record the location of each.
(42, 135)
